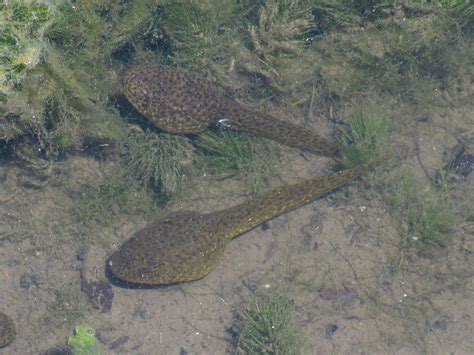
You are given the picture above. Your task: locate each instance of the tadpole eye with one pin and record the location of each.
(89, 331)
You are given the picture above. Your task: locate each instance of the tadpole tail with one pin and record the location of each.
(273, 203)
(284, 132)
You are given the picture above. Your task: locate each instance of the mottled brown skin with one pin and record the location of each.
(7, 330)
(187, 245)
(179, 101)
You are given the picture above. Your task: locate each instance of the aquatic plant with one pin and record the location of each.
(279, 57)
(84, 341)
(189, 31)
(267, 327)
(42, 93)
(87, 33)
(367, 8)
(462, 8)
(23, 24)
(97, 200)
(229, 153)
(365, 139)
(22, 48)
(161, 161)
(103, 202)
(402, 54)
(424, 214)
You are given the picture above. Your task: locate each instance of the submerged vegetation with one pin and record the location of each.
(61, 65)
(463, 9)
(425, 215)
(160, 161)
(227, 153)
(280, 49)
(108, 199)
(365, 139)
(267, 327)
(21, 43)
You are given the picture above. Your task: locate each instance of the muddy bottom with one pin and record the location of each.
(338, 259)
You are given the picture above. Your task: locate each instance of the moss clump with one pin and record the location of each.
(424, 214)
(267, 327)
(23, 24)
(46, 94)
(365, 139)
(88, 32)
(226, 153)
(160, 161)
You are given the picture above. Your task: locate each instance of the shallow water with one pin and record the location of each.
(339, 259)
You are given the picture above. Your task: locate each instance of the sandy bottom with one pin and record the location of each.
(338, 258)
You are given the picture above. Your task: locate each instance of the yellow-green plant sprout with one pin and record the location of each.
(84, 341)
(365, 139)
